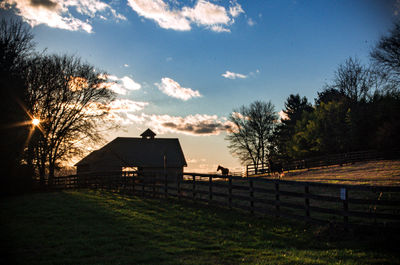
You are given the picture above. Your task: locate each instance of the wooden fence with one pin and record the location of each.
(321, 161)
(345, 205)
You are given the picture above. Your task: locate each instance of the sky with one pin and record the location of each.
(181, 67)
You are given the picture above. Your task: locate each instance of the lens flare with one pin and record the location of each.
(35, 122)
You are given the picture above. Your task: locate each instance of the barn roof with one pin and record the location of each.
(139, 152)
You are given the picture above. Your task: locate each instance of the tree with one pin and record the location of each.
(324, 131)
(252, 129)
(294, 108)
(353, 80)
(15, 47)
(330, 94)
(386, 54)
(70, 99)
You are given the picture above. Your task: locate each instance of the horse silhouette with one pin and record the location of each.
(224, 170)
(275, 168)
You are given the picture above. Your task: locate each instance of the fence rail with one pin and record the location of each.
(346, 205)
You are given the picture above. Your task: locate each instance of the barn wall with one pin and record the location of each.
(98, 167)
(172, 172)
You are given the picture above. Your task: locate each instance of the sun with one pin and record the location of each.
(35, 122)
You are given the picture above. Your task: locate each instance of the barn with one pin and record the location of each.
(148, 155)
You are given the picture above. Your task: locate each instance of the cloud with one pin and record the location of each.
(195, 125)
(125, 111)
(174, 89)
(218, 28)
(236, 10)
(59, 13)
(231, 75)
(204, 13)
(251, 22)
(122, 85)
(160, 12)
(282, 115)
(45, 3)
(127, 105)
(122, 111)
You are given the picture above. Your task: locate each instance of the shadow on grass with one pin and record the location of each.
(95, 227)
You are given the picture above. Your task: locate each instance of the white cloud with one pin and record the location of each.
(282, 115)
(122, 111)
(204, 13)
(160, 12)
(231, 75)
(130, 84)
(127, 105)
(174, 89)
(219, 28)
(122, 85)
(251, 22)
(235, 10)
(57, 13)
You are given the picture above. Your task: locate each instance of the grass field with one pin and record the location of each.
(380, 172)
(94, 227)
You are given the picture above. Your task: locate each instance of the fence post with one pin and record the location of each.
(133, 184)
(154, 186)
(178, 186)
(166, 185)
(344, 194)
(194, 186)
(277, 199)
(143, 184)
(210, 188)
(251, 196)
(307, 201)
(230, 192)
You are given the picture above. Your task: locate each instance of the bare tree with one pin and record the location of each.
(353, 80)
(387, 52)
(253, 127)
(15, 44)
(71, 101)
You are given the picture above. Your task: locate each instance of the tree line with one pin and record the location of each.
(52, 106)
(359, 109)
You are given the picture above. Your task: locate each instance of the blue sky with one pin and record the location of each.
(180, 67)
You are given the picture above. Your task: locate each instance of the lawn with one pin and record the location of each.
(379, 172)
(97, 227)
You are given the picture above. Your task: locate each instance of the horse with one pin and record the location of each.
(224, 170)
(275, 168)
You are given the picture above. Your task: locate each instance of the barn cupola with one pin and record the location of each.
(148, 134)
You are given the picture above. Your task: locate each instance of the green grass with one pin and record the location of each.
(94, 227)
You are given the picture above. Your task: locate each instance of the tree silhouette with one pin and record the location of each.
(353, 80)
(253, 127)
(70, 98)
(386, 54)
(15, 47)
